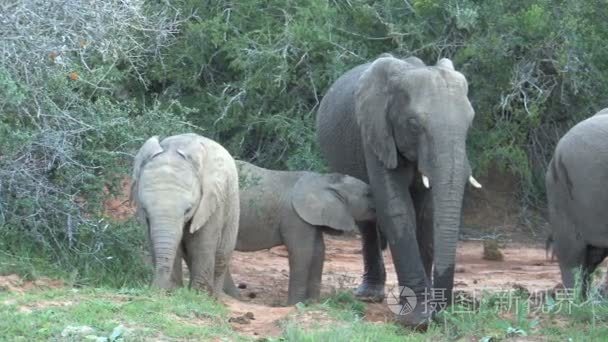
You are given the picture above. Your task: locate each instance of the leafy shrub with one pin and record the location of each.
(534, 69)
(67, 130)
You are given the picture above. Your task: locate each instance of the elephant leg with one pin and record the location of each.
(603, 289)
(571, 256)
(374, 274)
(229, 287)
(300, 242)
(424, 227)
(593, 257)
(316, 267)
(222, 258)
(200, 252)
(177, 276)
(413, 293)
(397, 221)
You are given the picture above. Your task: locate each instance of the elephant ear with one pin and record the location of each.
(216, 169)
(372, 101)
(319, 203)
(446, 63)
(149, 150)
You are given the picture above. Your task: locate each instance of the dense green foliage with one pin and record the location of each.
(256, 70)
(76, 100)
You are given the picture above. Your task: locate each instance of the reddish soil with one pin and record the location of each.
(14, 283)
(266, 273)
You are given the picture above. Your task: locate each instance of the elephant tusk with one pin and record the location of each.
(474, 182)
(425, 181)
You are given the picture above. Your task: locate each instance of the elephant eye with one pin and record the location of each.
(414, 125)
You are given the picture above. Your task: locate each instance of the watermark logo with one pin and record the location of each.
(401, 300)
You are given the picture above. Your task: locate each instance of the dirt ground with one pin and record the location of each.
(265, 275)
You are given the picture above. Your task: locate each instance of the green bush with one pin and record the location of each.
(67, 132)
(535, 68)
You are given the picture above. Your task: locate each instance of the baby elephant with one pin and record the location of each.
(294, 208)
(186, 191)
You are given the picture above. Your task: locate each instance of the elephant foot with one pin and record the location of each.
(417, 318)
(370, 292)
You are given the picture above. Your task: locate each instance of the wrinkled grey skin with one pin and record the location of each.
(186, 192)
(294, 209)
(387, 123)
(577, 199)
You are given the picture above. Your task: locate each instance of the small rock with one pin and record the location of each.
(71, 330)
(460, 269)
(242, 286)
(243, 319)
(252, 295)
(250, 315)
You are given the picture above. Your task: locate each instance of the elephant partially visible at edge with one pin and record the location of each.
(185, 189)
(294, 208)
(577, 199)
(402, 126)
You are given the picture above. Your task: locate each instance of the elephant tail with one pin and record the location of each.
(549, 248)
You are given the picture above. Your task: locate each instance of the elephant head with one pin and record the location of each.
(417, 117)
(333, 200)
(175, 189)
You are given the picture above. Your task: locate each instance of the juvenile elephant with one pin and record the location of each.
(294, 209)
(577, 199)
(186, 192)
(402, 126)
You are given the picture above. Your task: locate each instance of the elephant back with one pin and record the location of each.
(338, 134)
(263, 196)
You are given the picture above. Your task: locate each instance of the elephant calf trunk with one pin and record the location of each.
(165, 241)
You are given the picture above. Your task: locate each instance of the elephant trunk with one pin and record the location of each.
(447, 192)
(165, 235)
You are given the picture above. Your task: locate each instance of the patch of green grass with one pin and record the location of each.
(349, 331)
(145, 313)
(341, 318)
(492, 320)
(346, 301)
(496, 319)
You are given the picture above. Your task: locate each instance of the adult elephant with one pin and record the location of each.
(402, 126)
(576, 181)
